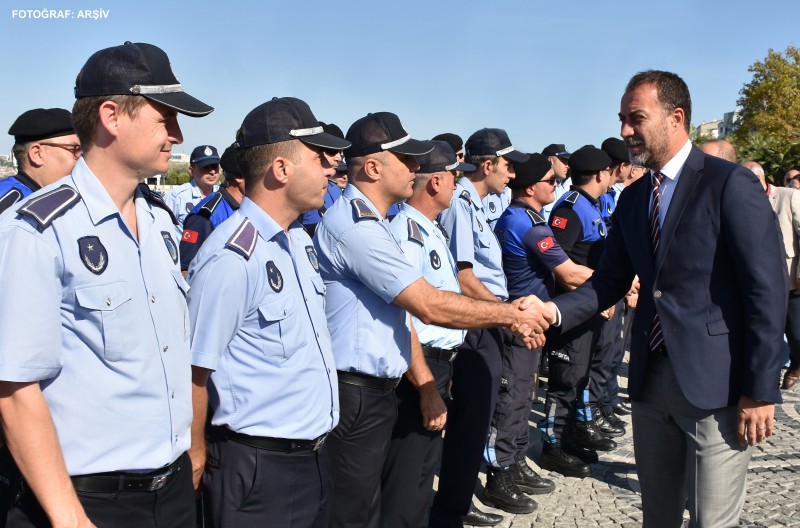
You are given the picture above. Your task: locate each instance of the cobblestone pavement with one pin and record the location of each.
(610, 497)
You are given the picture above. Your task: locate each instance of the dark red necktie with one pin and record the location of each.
(656, 338)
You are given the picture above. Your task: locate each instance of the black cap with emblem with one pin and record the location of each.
(204, 155)
(382, 131)
(41, 123)
(556, 149)
(136, 69)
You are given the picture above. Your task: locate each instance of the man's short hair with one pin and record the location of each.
(480, 160)
(671, 89)
(86, 112)
(255, 161)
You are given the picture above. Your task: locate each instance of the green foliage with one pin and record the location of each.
(177, 174)
(773, 155)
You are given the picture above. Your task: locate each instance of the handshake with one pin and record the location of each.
(532, 318)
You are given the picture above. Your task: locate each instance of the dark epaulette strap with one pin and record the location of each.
(50, 205)
(243, 241)
(465, 196)
(362, 211)
(10, 198)
(211, 204)
(535, 217)
(415, 233)
(572, 197)
(155, 200)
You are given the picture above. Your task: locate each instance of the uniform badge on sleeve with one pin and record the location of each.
(172, 247)
(492, 208)
(190, 236)
(312, 257)
(436, 262)
(189, 207)
(274, 277)
(559, 222)
(93, 254)
(545, 244)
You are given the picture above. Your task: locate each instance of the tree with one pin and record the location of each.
(770, 119)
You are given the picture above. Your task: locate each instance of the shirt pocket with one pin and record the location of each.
(110, 307)
(183, 287)
(281, 335)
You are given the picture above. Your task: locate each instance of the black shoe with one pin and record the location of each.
(615, 420)
(501, 493)
(587, 456)
(529, 481)
(604, 426)
(585, 434)
(475, 517)
(555, 459)
(622, 408)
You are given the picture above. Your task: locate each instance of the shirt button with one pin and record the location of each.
(176, 439)
(316, 333)
(153, 299)
(173, 395)
(166, 347)
(108, 302)
(657, 294)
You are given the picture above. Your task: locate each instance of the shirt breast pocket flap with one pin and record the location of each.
(112, 308)
(183, 286)
(485, 237)
(319, 284)
(277, 330)
(718, 327)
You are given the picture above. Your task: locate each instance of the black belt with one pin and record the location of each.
(363, 380)
(660, 350)
(439, 353)
(267, 443)
(117, 481)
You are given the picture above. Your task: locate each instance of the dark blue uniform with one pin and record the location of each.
(201, 221)
(15, 188)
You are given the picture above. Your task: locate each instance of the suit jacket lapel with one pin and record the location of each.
(690, 175)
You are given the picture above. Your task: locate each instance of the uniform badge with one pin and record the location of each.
(545, 244)
(189, 236)
(601, 228)
(312, 257)
(274, 277)
(480, 226)
(208, 151)
(189, 207)
(172, 247)
(559, 222)
(608, 208)
(93, 254)
(492, 208)
(436, 262)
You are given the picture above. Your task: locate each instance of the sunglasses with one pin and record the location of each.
(75, 150)
(553, 181)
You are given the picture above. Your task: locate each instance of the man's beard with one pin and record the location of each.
(653, 155)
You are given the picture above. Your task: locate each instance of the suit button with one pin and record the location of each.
(657, 294)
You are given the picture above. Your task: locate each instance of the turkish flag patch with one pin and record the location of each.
(559, 222)
(189, 236)
(545, 244)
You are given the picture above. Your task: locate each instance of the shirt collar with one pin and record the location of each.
(98, 202)
(674, 166)
(421, 219)
(525, 205)
(351, 192)
(267, 227)
(467, 185)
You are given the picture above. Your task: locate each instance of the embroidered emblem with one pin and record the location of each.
(362, 210)
(312, 257)
(189, 207)
(208, 151)
(93, 254)
(608, 208)
(545, 244)
(465, 196)
(601, 228)
(189, 236)
(436, 262)
(172, 247)
(559, 222)
(274, 277)
(492, 207)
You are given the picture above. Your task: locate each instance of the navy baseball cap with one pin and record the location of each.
(441, 158)
(136, 69)
(530, 172)
(285, 119)
(454, 140)
(493, 142)
(382, 131)
(556, 149)
(204, 155)
(41, 123)
(228, 161)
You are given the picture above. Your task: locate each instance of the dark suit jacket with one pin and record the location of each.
(716, 283)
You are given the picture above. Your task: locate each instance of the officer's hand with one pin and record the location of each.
(756, 421)
(534, 314)
(534, 341)
(197, 454)
(434, 411)
(607, 314)
(631, 300)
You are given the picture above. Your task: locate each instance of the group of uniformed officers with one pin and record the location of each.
(202, 359)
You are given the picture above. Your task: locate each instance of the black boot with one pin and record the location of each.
(476, 517)
(586, 435)
(615, 420)
(587, 456)
(529, 481)
(503, 494)
(555, 459)
(622, 408)
(604, 426)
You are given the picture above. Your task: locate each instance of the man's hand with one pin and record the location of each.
(607, 314)
(197, 454)
(756, 421)
(434, 411)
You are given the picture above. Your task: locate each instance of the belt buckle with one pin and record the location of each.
(453, 354)
(160, 481)
(319, 443)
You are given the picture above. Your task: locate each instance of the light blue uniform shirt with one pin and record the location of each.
(259, 324)
(102, 323)
(471, 238)
(364, 270)
(494, 204)
(425, 246)
(183, 198)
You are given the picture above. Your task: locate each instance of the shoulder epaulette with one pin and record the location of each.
(572, 197)
(465, 196)
(154, 199)
(362, 210)
(50, 205)
(208, 208)
(415, 233)
(10, 198)
(243, 240)
(535, 217)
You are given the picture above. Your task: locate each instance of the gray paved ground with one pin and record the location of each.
(610, 496)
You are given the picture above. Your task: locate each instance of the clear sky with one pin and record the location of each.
(547, 72)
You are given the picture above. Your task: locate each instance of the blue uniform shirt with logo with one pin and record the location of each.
(99, 318)
(424, 244)
(607, 203)
(14, 188)
(364, 270)
(471, 238)
(258, 321)
(183, 198)
(494, 204)
(530, 251)
(577, 223)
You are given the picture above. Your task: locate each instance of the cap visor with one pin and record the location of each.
(205, 162)
(326, 141)
(183, 103)
(466, 167)
(413, 147)
(517, 156)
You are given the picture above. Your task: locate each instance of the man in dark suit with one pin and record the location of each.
(707, 338)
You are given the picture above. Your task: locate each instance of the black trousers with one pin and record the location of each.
(476, 379)
(170, 507)
(10, 482)
(414, 453)
(357, 451)
(508, 436)
(793, 328)
(606, 360)
(569, 357)
(245, 486)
